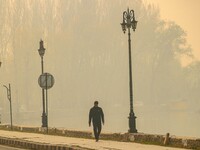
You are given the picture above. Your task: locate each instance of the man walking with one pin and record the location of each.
(96, 115)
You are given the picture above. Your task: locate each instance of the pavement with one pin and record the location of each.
(74, 143)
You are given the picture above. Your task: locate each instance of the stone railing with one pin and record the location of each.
(163, 140)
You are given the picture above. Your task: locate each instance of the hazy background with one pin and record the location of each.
(87, 53)
(186, 14)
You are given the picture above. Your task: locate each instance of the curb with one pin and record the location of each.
(35, 146)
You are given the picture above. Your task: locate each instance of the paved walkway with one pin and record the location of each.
(79, 142)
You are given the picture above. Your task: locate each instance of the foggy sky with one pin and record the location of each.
(87, 53)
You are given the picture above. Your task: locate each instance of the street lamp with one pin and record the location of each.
(9, 98)
(41, 51)
(130, 22)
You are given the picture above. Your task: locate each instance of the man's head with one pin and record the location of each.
(96, 103)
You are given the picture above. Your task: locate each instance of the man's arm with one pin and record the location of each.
(102, 116)
(90, 117)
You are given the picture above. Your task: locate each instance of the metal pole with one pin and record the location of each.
(46, 103)
(130, 72)
(43, 99)
(132, 126)
(10, 107)
(47, 110)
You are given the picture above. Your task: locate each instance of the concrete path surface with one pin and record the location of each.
(79, 142)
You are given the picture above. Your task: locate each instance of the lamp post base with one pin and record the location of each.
(44, 120)
(132, 126)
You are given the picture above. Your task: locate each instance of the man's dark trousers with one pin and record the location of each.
(97, 130)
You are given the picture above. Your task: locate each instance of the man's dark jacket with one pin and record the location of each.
(96, 115)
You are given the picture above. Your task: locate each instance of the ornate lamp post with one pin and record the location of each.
(130, 22)
(41, 51)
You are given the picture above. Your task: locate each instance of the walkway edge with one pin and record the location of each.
(13, 142)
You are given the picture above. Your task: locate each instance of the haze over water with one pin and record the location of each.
(87, 53)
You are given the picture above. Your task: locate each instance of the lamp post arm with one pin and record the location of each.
(8, 92)
(132, 14)
(6, 87)
(124, 16)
